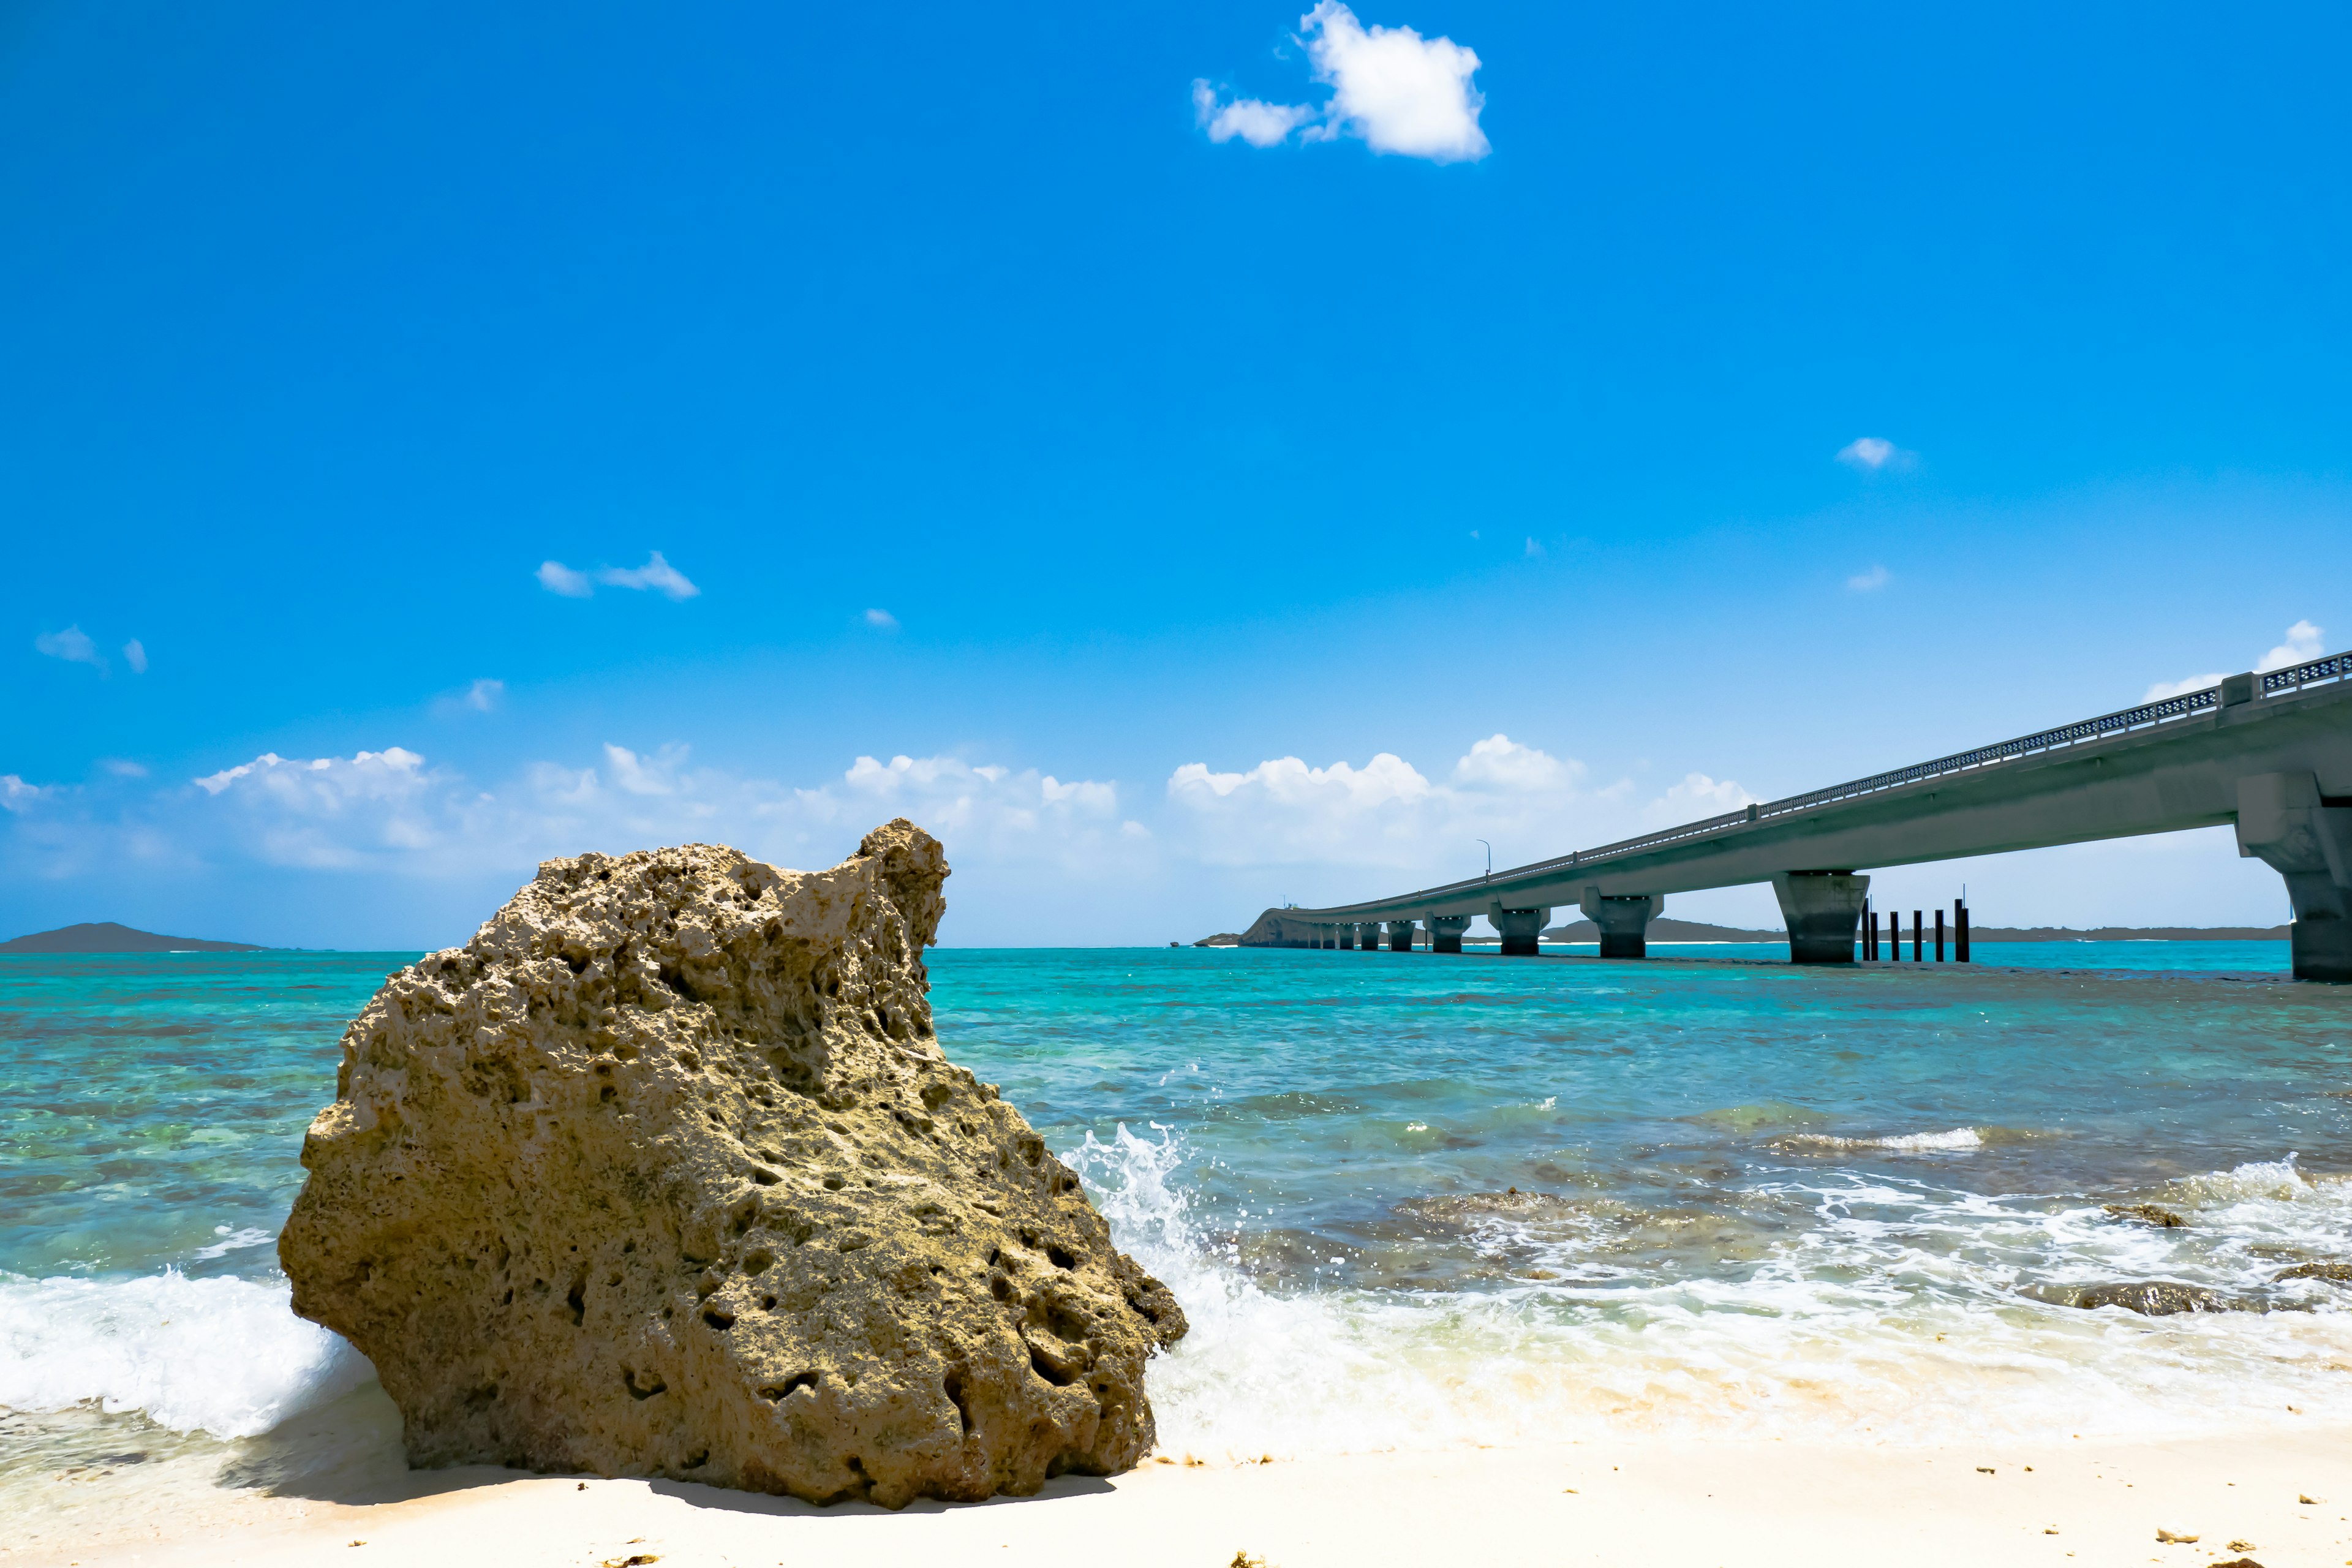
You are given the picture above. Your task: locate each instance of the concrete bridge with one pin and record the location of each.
(2269, 753)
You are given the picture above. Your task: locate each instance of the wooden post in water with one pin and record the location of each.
(1939, 936)
(1960, 938)
(1917, 926)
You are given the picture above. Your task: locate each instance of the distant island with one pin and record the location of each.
(105, 936)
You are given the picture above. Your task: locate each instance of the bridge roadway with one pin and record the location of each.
(2269, 753)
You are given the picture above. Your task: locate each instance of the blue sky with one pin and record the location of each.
(1003, 417)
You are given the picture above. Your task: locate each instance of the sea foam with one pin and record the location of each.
(1896, 1317)
(224, 1356)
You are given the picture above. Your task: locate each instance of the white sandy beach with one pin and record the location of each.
(2281, 1499)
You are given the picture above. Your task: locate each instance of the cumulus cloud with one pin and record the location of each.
(656, 573)
(1875, 454)
(1869, 582)
(657, 774)
(2303, 643)
(1696, 797)
(2182, 688)
(1390, 88)
(134, 653)
(1398, 90)
(482, 697)
(557, 578)
(394, 812)
(334, 813)
(15, 795)
(882, 620)
(1259, 123)
(1500, 763)
(72, 644)
(1386, 812)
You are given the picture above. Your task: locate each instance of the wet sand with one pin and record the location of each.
(1663, 1505)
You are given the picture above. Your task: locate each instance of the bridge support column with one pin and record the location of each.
(1343, 937)
(1823, 911)
(2305, 837)
(1368, 935)
(1519, 928)
(1445, 933)
(1400, 936)
(1623, 919)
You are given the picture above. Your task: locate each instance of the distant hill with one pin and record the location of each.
(2126, 933)
(105, 936)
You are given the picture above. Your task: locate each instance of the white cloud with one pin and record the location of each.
(1386, 812)
(392, 810)
(333, 813)
(1869, 582)
(72, 644)
(483, 696)
(1500, 763)
(557, 578)
(657, 774)
(15, 795)
(1535, 552)
(2303, 643)
(1394, 89)
(123, 768)
(1259, 123)
(1874, 454)
(134, 653)
(1696, 798)
(882, 620)
(1398, 90)
(655, 573)
(2164, 688)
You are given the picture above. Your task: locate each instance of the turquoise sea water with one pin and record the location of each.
(1406, 1198)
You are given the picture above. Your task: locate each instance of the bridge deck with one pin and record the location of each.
(2160, 767)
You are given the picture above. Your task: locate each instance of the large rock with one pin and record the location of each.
(665, 1174)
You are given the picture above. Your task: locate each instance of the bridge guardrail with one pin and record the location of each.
(2295, 678)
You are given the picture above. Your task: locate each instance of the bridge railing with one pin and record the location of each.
(2295, 678)
(2317, 671)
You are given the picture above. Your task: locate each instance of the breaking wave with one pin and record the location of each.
(224, 1356)
(1894, 1311)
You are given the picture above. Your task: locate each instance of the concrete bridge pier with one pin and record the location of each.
(1823, 911)
(1368, 935)
(2307, 837)
(1400, 936)
(1519, 928)
(1343, 937)
(1445, 933)
(1623, 919)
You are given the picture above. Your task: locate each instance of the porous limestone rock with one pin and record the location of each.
(665, 1174)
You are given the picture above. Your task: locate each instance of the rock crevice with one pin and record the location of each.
(664, 1173)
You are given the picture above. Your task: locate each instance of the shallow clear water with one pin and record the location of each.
(1406, 1199)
